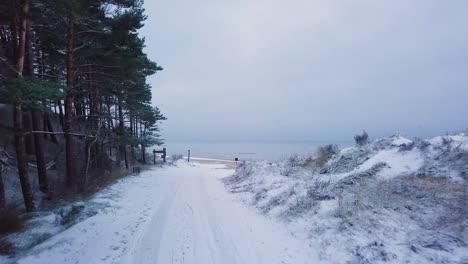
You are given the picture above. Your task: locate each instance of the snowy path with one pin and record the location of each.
(174, 215)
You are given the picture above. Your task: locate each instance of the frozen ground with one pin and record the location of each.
(180, 214)
(393, 200)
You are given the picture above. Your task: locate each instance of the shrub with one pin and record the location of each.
(324, 154)
(362, 139)
(6, 248)
(295, 161)
(68, 216)
(177, 157)
(11, 220)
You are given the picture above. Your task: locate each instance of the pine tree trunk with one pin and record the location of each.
(69, 144)
(124, 147)
(110, 122)
(122, 129)
(143, 151)
(110, 125)
(50, 128)
(28, 138)
(21, 159)
(40, 160)
(132, 129)
(61, 116)
(44, 121)
(21, 51)
(18, 117)
(2, 191)
(36, 117)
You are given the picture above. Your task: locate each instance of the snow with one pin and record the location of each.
(454, 141)
(208, 159)
(399, 141)
(179, 214)
(393, 200)
(396, 163)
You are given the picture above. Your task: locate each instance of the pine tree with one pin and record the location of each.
(90, 70)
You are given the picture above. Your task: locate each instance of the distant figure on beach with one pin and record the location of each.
(236, 159)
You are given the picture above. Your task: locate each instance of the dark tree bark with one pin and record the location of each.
(2, 191)
(124, 147)
(70, 151)
(136, 126)
(28, 139)
(61, 116)
(111, 123)
(50, 128)
(40, 160)
(132, 129)
(18, 117)
(143, 153)
(36, 117)
(122, 129)
(21, 159)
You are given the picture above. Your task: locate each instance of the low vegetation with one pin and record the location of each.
(11, 219)
(389, 200)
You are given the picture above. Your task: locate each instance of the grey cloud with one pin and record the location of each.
(304, 69)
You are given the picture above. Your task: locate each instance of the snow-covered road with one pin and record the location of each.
(174, 215)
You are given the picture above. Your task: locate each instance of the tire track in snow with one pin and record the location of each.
(150, 240)
(174, 215)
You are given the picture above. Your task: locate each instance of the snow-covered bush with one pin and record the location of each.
(362, 139)
(324, 154)
(390, 200)
(176, 157)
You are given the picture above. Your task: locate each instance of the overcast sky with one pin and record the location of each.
(308, 69)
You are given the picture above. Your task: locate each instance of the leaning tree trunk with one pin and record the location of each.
(18, 118)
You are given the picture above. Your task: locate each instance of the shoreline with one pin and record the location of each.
(230, 164)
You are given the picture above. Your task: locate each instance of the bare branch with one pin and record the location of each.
(91, 31)
(59, 133)
(9, 66)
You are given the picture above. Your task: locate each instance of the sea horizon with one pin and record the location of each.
(247, 150)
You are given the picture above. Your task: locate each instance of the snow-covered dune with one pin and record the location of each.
(391, 200)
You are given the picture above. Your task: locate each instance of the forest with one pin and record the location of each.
(74, 93)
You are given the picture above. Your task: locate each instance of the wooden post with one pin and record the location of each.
(154, 156)
(188, 156)
(164, 154)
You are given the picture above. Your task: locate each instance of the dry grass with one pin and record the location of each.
(432, 202)
(322, 156)
(101, 183)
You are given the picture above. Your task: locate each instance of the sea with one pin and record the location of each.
(273, 151)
